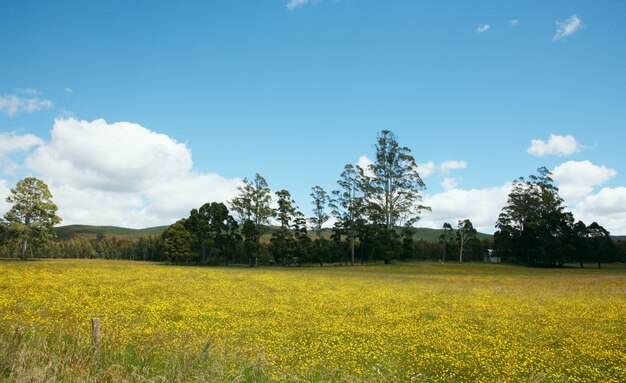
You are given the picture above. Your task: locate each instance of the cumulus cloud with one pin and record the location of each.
(4, 193)
(567, 27)
(481, 206)
(122, 174)
(482, 28)
(426, 169)
(11, 143)
(23, 101)
(556, 146)
(449, 183)
(577, 179)
(607, 207)
(446, 166)
(429, 168)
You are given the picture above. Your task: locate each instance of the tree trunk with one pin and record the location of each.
(462, 242)
(24, 245)
(352, 248)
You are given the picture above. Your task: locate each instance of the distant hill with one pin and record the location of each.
(619, 237)
(419, 233)
(69, 231)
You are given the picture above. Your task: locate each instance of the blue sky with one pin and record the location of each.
(198, 95)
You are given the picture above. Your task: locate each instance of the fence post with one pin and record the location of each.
(95, 331)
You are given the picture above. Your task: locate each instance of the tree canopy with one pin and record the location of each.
(32, 217)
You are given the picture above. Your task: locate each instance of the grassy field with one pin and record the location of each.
(414, 322)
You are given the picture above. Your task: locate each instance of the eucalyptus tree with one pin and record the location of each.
(177, 242)
(533, 226)
(32, 217)
(394, 185)
(446, 236)
(252, 207)
(253, 201)
(600, 243)
(348, 203)
(282, 241)
(320, 203)
(466, 234)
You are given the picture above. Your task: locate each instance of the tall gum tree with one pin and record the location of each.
(394, 185)
(32, 217)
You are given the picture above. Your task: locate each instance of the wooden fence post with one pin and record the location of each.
(95, 331)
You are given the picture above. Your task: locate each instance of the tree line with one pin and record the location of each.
(534, 228)
(372, 210)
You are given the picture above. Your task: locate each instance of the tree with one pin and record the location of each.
(466, 234)
(252, 206)
(177, 243)
(33, 214)
(446, 237)
(348, 204)
(534, 226)
(600, 243)
(393, 189)
(282, 241)
(320, 202)
(581, 250)
(253, 201)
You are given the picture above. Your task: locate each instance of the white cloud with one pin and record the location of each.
(364, 162)
(556, 145)
(122, 174)
(482, 28)
(11, 143)
(514, 22)
(426, 169)
(481, 206)
(446, 166)
(449, 183)
(576, 179)
(14, 104)
(68, 90)
(565, 28)
(607, 208)
(293, 4)
(4, 193)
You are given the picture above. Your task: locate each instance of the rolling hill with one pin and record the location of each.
(70, 231)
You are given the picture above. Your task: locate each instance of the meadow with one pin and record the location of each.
(408, 322)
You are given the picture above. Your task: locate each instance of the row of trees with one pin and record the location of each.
(369, 207)
(535, 229)
(373, 208)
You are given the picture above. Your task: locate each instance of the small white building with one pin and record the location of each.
(489, 258)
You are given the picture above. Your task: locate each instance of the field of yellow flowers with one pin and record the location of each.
(413, 322)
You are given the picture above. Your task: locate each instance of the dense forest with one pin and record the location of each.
(373, 212)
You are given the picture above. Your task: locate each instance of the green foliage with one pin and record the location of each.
(393, 189)
(348, 204)
(253, 201)
(320, 202)
(177, 241)
(71, 231)
(466, 236)
(535, 229)
(33, 214)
